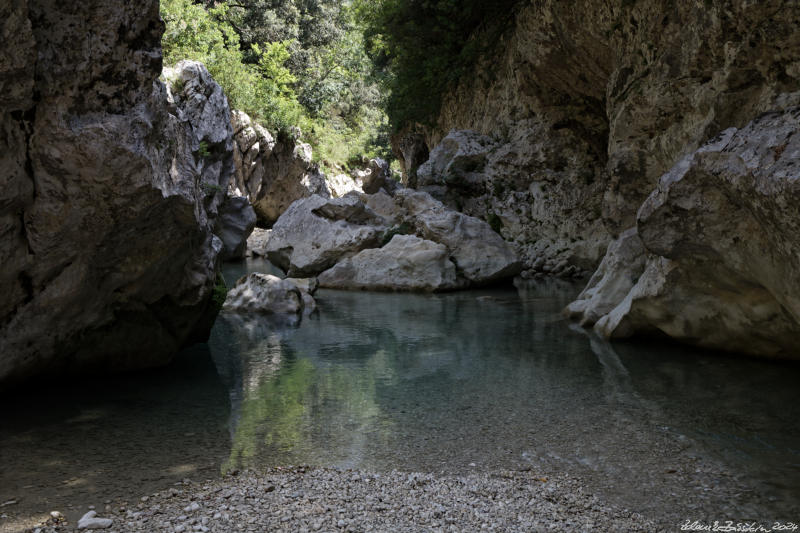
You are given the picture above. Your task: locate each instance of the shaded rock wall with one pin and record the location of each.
(109, 187)
(272, 172)
(591, 102)
(721, 238)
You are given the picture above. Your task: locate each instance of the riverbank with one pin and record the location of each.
(299, 499)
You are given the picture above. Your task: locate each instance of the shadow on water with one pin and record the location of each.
(65, 445)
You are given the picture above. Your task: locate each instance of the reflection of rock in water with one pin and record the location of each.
(246, 349)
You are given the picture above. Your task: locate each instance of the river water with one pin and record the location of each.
(458, 382)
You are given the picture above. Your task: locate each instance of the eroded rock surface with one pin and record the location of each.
(590, 103)
(721, 230)
(316, 232)
(109, 190)
(272, 172)
(234, 226)
(480, 254)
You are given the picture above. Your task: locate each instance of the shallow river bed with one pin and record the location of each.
(457, 383)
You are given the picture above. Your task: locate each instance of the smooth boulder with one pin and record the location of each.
(315, 233)
(406, 263)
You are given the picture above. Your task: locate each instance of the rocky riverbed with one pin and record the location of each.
(302, 499)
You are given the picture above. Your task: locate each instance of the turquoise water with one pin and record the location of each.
(458, 382)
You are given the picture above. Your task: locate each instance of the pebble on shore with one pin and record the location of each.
(303, 499)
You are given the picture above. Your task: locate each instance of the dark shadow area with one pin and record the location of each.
(65, 445)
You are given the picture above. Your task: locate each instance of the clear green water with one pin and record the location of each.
(478, 380)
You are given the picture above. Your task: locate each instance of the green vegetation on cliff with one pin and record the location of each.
(287, 63)
(421, 48)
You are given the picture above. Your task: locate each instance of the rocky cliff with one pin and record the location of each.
(588, 103)
(109, 189)
(579, 112)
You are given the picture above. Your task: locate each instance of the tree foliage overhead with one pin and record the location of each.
(287, 63)
(421, 48)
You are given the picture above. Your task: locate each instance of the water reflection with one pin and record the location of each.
(497, 379)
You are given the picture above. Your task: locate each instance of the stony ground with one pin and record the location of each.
(301, 499)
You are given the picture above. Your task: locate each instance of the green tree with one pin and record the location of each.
(421, 48)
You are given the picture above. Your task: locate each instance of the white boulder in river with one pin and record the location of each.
(316, 232)
(479, 252)
(407, 263)
(264, 293)
(445, 249)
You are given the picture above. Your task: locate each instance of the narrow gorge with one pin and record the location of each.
(399, 265)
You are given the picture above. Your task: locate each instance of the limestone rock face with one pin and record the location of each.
(257, 242)
(456, 167)
(615, 277)
(341, 184)
(109, 190)
(316, 232)
(235, 224)
(406, 263)
(591, 102)
(722, 232)
(480, 254)
(264, 293)
(271, 172)
(377, 176)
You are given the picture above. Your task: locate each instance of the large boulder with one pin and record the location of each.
(480, 254)
(272, 172)
(316, 232)
(257, 242)
(264, 293)
(406, 263)
(109, 190)
(235, 224)
(722, 233)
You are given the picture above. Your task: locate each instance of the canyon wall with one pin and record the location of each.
(589, 103)
(109, 190)
(584, 106)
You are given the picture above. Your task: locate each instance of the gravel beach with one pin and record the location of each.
(301, 499)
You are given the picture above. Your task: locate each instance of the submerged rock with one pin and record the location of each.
(407, 263)
(264, 293)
